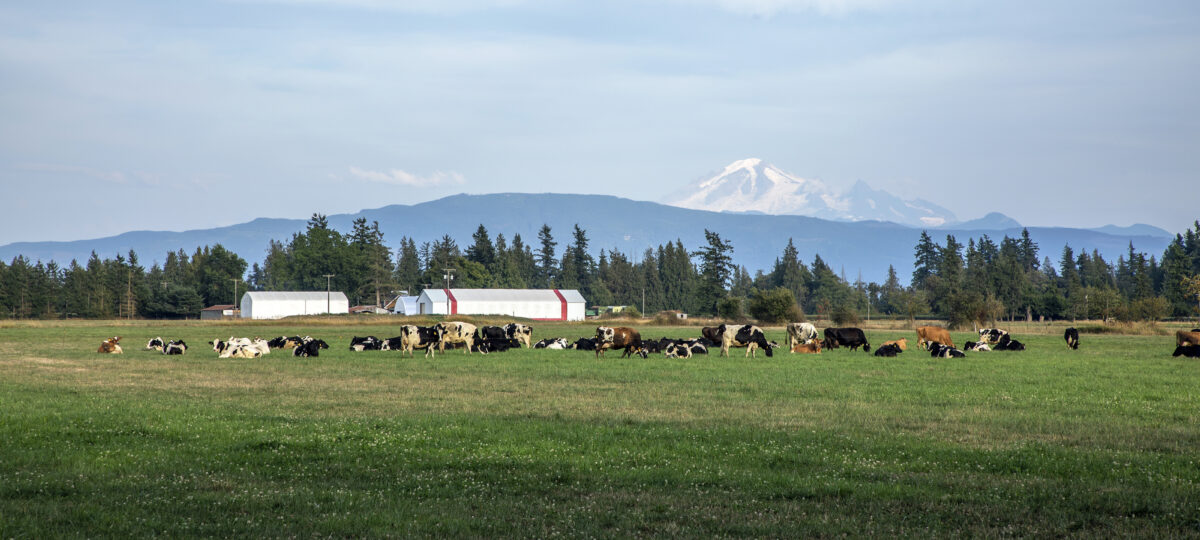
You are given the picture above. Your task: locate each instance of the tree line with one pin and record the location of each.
(980, 281)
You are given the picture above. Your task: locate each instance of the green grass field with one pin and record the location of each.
(1104, 441)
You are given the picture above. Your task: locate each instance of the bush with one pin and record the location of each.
(730, 308)
(774, 306)
(845, 316)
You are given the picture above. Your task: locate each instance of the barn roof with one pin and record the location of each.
(219, 307)
(505, 295)
(296, 295)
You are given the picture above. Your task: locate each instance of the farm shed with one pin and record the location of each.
(279, 304)
(540, 304)
(404, 305)
(218, 312)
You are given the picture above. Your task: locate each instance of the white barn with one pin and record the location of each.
(404, 305)
(279, 304)
(538, 304)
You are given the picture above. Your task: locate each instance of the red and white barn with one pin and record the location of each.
(538, 304)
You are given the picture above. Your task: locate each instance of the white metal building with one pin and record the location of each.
(279, 304)
(404, 305)
(540, 304)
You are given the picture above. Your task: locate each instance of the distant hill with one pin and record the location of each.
(994, 221)
(611, 223)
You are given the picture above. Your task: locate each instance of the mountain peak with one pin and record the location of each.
(753, 186)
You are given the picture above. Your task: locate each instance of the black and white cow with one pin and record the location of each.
(1071, 336)
(498, 345)
(553, 343)
(175, 347)
(976, 346)
(677, 350)
(846, 337)
(1007, 343)
(584, 344)
(991, 335)
(156, 344)
(368, 343)
(519, 332)
(285, 342)
(749, 336)
(800, 332)
(312, 347)
(457, 332)
(937, 350)
(420, 337)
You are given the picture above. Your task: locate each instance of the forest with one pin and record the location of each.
(980, 281)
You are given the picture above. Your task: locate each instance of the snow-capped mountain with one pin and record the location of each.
(749, 185)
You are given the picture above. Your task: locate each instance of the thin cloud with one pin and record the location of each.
(404, 178)
(115, 177)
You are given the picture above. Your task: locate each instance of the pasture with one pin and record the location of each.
(538, 443)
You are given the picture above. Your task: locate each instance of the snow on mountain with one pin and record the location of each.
(751, 186)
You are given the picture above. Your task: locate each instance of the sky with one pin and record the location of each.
(148, 115)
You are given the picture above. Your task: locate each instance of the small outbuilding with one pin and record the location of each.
(218, 312)
(279, 304)
(538, 304)
(404, 305)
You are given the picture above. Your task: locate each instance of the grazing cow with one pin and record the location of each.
(991, 336)
(976, 346)
(901, 344)
(888, 350)
(552, 343)
(1072, 338)
(584, 344)
(156, 344)
(456, 332)
(676, 350)
(937, 350)
(1190, 351)
(175, 347)
(1187, 338)
(1007, 343)
(110, 346)
(749, 336)
(812, 346)
(419, 337)
(311, 347)
(621, 337)
(712, 334)
(519, 332)
(846, 337)
(368, 343)
(800, 332)
(925, 334)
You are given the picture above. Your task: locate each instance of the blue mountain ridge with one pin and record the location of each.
(612, 223)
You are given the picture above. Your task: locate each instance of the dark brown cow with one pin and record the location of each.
(620, 337)
(925, 334)
(712, 333)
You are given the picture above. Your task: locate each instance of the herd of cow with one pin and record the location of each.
(802, 338)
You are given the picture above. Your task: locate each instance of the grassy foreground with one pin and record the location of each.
(1046, 442)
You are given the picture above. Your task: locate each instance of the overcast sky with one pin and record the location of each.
(129, 115)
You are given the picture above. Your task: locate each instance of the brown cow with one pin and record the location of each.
(926, 334)
(110, 346)
(1186, 338)
(902, 343)
(619, 338)
(811, 347)
(712, 333)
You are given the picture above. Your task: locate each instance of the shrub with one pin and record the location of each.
(730, 308)
(845, 316)
(775, 305)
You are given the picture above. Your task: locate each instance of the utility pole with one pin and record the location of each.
(235, 298)
(449, 275)
(327, 277)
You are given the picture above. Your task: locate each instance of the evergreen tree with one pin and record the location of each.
(408, 266)
(482, 251)
(928, 259)
(547, 265)
(716, 269)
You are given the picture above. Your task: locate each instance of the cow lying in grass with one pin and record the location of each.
(110, 346)
(1190, 351)
(937, 350)
(888, 350)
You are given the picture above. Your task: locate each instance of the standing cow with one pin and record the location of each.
(1071, 336)
(749, 336)
(519, 332)
(926, 334)
(620, 337)
(800, 332)
(456, 332)
(846, 337)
